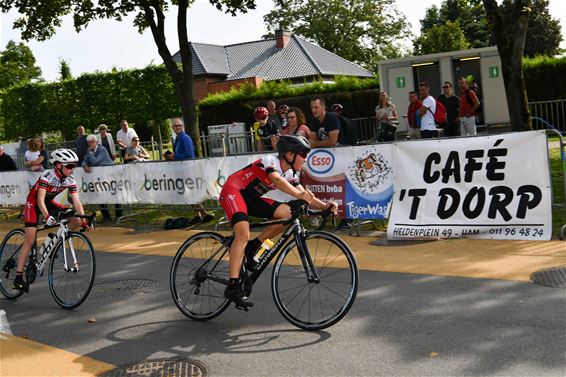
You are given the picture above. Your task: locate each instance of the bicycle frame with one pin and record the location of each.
(46, 250)
(295, 229)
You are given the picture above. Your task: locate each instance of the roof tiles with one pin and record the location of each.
(299, 58)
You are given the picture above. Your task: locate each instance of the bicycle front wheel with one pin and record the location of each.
(9, 252)
(314, 300)
(71, 274)
(199, 274)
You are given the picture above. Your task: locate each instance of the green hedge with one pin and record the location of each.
(148, 94)
(358, 96)
(544, 78)
(136, 95)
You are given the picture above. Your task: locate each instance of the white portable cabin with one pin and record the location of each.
(400, 76)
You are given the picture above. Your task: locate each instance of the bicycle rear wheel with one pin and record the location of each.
(71, 285)
(197, 276)
(9, 251)
(309, 304)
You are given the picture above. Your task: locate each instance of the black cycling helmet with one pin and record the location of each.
(337, 108)
(293, 143)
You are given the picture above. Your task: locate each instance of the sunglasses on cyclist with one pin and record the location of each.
(303, 155)
(70, 166)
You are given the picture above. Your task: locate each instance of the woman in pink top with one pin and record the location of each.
(296, 124)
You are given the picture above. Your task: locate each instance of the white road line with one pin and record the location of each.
(4, 325)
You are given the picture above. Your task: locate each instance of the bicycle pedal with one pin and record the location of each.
(244, 308)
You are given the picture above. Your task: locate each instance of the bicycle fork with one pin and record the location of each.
(75, 267)
(306, 259)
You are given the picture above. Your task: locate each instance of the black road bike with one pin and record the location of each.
(71, 266)
(314, 279)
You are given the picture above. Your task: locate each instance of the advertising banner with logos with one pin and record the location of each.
(182, 182)
(359, 179)
(492, 187)
(482, 187)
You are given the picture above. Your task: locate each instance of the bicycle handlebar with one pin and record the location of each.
(299, 207)
(69, 213)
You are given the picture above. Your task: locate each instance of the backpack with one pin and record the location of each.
(471, 102)
(439, 114)
(349, 134)
(176, 223)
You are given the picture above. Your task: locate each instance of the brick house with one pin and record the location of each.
(285, 57)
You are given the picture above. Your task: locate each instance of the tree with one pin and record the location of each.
(362, 31)
(508, 22)
(41, 22)
(64, 70)
(17, 65)
(543, 33)
(441, 38)
(469, 13)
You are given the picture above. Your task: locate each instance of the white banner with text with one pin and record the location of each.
(479, 187)
(483, 187)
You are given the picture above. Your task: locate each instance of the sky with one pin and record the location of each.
(106, 44)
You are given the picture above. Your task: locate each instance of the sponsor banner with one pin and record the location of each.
(178, 182)
(483, 187)
(15, 186)
(359, 179)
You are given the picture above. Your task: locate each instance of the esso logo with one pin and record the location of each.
(320, 161)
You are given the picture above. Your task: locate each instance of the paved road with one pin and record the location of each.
(401, 324)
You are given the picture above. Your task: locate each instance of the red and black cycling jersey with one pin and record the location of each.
(253, 179)
(242, 193)
(53, 183)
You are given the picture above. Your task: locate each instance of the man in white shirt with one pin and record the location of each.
(428, 127)
(124, 137)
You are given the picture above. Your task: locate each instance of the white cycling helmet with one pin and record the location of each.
(64, 156)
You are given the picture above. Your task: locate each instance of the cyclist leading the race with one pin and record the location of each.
(40, 202)
(242, 194)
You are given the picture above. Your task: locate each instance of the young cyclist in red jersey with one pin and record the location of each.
(40, 202)
(242, 194)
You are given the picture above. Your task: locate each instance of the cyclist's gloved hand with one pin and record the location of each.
(85, 225)
(50, 221)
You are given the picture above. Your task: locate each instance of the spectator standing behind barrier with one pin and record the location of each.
(274, 116)
(349, 134)
(105, 139)
(80, 143)
(33, 157)
(6, 162)
(414, 116)
(98, 156)
(386, 115)
(265, 129)
(427, 110)
(469, 103)
(43, 152)
(136, 152)
(385, 111)
(124, 137)
(325, 125)
(296, 124)
(452, 105)
(183, 147)
(283, 110)
(184, 150)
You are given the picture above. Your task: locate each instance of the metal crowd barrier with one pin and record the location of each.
(553, 112)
